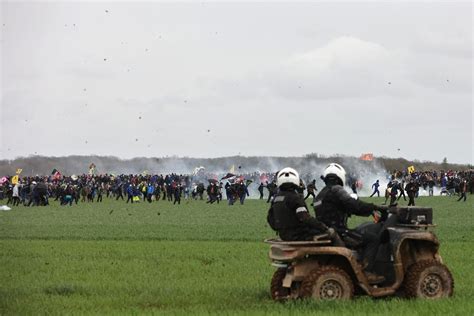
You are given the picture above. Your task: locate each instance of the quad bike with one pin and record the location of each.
(407, 257)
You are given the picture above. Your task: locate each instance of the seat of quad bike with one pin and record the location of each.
(318, 241)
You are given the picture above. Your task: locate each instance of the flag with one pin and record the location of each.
(228, 176)
(54, 171)
(3, 180)
(18, 171)
(367, 157)
(248, 182)
(232, 169)
(15, 179)
(411, 169)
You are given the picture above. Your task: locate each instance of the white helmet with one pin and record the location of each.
(337, 170)
(288, 175)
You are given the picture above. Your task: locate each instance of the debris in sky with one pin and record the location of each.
(208, 130)
(105, 59)
(106, 11)
(447, 80)
(87, 142)
(85, 89)
(136, 139)
(398, 149)
(139, 117)
(185, 101)
(389, 82)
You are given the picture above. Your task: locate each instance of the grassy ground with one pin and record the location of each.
(116, 258)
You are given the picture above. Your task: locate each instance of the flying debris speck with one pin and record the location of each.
(136, 139)
(208, 130)
(106, 11)
(447, 80)
(139, 117)
(85, 89)
(398, 149)
(185, 101)
(389, 82)
(105, 59)
(87, 142)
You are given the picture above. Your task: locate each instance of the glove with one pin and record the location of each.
(331, 232)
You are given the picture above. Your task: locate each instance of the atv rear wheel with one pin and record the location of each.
(279, 293)
(428, 279)
(327, 283)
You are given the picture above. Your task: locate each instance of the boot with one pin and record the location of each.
(373, 278)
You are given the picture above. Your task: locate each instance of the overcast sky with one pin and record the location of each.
(220, 79)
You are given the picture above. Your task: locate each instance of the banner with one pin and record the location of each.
(411, 169)
(367, 157)
(18, 171)
(232, 169)
(15, 179)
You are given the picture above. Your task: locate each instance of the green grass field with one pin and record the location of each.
(117, 258)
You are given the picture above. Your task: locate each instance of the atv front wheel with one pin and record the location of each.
(327, 283)
(428, 279)
(279, 293)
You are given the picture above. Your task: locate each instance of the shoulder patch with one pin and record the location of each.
(279, 198)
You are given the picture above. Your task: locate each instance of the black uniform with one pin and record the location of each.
(333, 206)
(289, 216)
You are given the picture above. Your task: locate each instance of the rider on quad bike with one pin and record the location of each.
(333, 206)
(288, 214)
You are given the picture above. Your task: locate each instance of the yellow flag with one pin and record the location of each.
(15, 179)
(18, 171)
(232, 169)
(411, 169)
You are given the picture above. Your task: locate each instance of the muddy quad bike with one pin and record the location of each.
(408, 258)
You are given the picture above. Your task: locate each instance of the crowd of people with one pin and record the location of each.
(133, 188)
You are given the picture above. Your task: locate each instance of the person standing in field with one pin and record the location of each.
(311, 188)
(16, 194)
(260, 190)
(130, 192)
(411, 188)
(463, 190)
(271, 187)
(375, 186)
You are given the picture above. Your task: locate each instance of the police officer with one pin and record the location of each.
(288, 214)
(333, 206)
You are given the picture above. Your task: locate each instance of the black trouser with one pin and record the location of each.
(393, 198)
(130, 198)
(119, 195)
(411, 199)
(270, 195)
(261, 194)
(310, 193)
(376, 191)
(463, 195)
(371, 241)
(16, 200)
(402, 193)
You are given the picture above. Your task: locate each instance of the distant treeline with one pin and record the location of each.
(42, 165)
